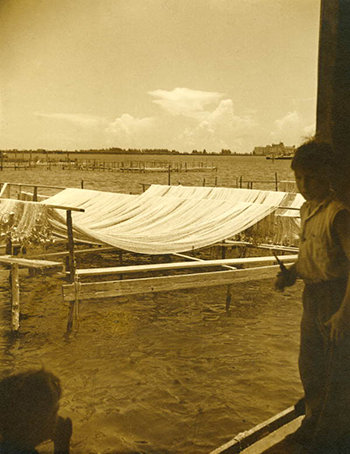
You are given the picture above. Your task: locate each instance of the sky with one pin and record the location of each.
(178, 74)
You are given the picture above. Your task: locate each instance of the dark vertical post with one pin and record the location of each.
(70, 246)
(276, 182)
(70, 266)
(169, 174)
(14, 297)
(333, 96)
(35, 194)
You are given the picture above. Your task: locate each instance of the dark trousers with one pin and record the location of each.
(324, 370)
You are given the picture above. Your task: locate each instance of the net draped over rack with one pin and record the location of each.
(25, 222)
(162, 220)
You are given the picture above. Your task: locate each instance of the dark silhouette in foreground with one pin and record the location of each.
(324, 265)
(29, 404)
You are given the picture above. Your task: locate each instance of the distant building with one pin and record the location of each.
(275, 150)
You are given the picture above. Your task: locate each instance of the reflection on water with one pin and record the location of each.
(166, 373)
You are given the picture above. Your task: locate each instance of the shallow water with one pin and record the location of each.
(160, 373)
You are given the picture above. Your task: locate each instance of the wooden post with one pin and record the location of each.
(70, 266)
(241, 181)
(15, 297)
(228, 298)
(223, 250)
(35, 194)
(8, 245)
(169, 174)
(276, 181)
(1, 160)
(203, 181)
(82, 184)
(70, 247)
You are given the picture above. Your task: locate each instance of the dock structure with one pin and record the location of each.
(111, 165)
(181, 269)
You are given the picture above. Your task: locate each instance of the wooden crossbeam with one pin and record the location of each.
(58, 207)
(108, 289)
(29, 263)
(182, 265)
(196, 259)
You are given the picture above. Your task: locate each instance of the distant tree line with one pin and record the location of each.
(131, 151)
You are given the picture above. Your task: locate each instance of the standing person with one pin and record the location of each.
(324, 264)
(29, 403)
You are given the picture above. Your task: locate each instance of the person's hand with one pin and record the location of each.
(284, 279)
(339, 325)
(63, 434)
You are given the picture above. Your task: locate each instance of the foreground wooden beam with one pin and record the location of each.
(109, 289)
(289, 420)
(183, 265)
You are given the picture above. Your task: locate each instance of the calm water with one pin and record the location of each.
(160, 373)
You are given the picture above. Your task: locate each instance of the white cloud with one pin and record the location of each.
(309, 131)
(127, 124)
(291, 129)
(184, 101)
(220, 129)
(129, 131)
(292, 119)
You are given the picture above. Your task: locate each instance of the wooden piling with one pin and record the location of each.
(15, 304)
(35, 194)
(276, 182)
(228, 298)
(70, 266)
(70, 247)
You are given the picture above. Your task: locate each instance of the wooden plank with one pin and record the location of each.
(5, 190)
(62, 207)
(14, 297)
(196, 259)
(245, 439)
(79, 251)
(272, 440)
(58, 207)
(108, 289)
(266, 444)
(29, 263)
(182, 265)
(36, 185)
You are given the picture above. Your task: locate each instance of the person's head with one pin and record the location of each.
(29, 403)
(313, 164)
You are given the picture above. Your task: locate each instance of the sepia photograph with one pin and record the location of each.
(175, 226)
